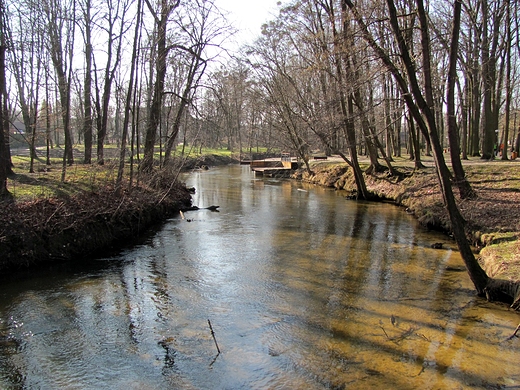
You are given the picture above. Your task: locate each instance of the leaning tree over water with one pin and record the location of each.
(418, 99)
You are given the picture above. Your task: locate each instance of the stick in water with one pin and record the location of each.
(213, 334)
(514, 334)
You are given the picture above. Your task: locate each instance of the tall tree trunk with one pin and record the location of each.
(476, 95)
(26, 68)
(154, 112)
(465, 189)
(464, 99)
(128, 102)
(415, 144)
(476, 273)
(508, 81)
(4, 161)
(110, 70)
(32, 146)
(48, 137)
(6, 147)
(346, 102)
(58, 60)
(87, 93)
(488, 141)
(370, 141)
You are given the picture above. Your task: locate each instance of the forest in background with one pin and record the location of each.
(142, 75)
(374, 78)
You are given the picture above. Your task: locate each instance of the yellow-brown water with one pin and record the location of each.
(304, 290)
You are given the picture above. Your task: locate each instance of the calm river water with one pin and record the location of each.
(303, 289)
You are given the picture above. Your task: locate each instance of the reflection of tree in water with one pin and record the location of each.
(146, 291)
(9, 347)
(169, 352)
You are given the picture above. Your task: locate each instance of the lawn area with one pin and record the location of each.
(46, 182)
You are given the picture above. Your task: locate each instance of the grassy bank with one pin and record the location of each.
(46, 182)
(493, 219)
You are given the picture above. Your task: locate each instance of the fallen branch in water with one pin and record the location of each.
(404, 334)
(214, 338)
(196, 208)
(514, 333)
(386, 334)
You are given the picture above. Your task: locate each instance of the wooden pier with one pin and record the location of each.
(279, 168)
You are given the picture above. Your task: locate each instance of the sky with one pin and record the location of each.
(247, 16)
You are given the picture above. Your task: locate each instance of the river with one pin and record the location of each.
(303, 289)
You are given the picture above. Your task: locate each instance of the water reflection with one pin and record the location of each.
(303, 289)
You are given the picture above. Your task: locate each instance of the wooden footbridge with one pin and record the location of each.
(274, 167)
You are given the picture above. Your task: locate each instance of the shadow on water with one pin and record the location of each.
(303, 289)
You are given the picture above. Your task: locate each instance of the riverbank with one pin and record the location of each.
(74, 224)
(49, 221)
(73, 227)
(493, 219)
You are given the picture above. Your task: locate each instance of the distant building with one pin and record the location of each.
(20, 138)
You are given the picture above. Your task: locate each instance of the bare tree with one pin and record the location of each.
(59, 46)
(279, 73)
(128, 101)
(160, 44)
(420, 107)
(87, 89)
(489, 49)
(4, 161)
(346, 101)
(465, 189)
(492, 288)
(201, 30)
(116, 13)
(508, 89)
(27, 69)
(474, 75)
(226, 103)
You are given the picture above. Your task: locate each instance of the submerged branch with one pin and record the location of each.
(214, 338)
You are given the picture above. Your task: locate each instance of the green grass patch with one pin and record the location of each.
(46, 181)
(501, 257)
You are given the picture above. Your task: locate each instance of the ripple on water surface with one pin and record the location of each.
(303, 290)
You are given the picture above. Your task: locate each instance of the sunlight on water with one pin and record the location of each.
(303, 289)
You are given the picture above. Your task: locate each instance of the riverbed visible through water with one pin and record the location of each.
(301, 288)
